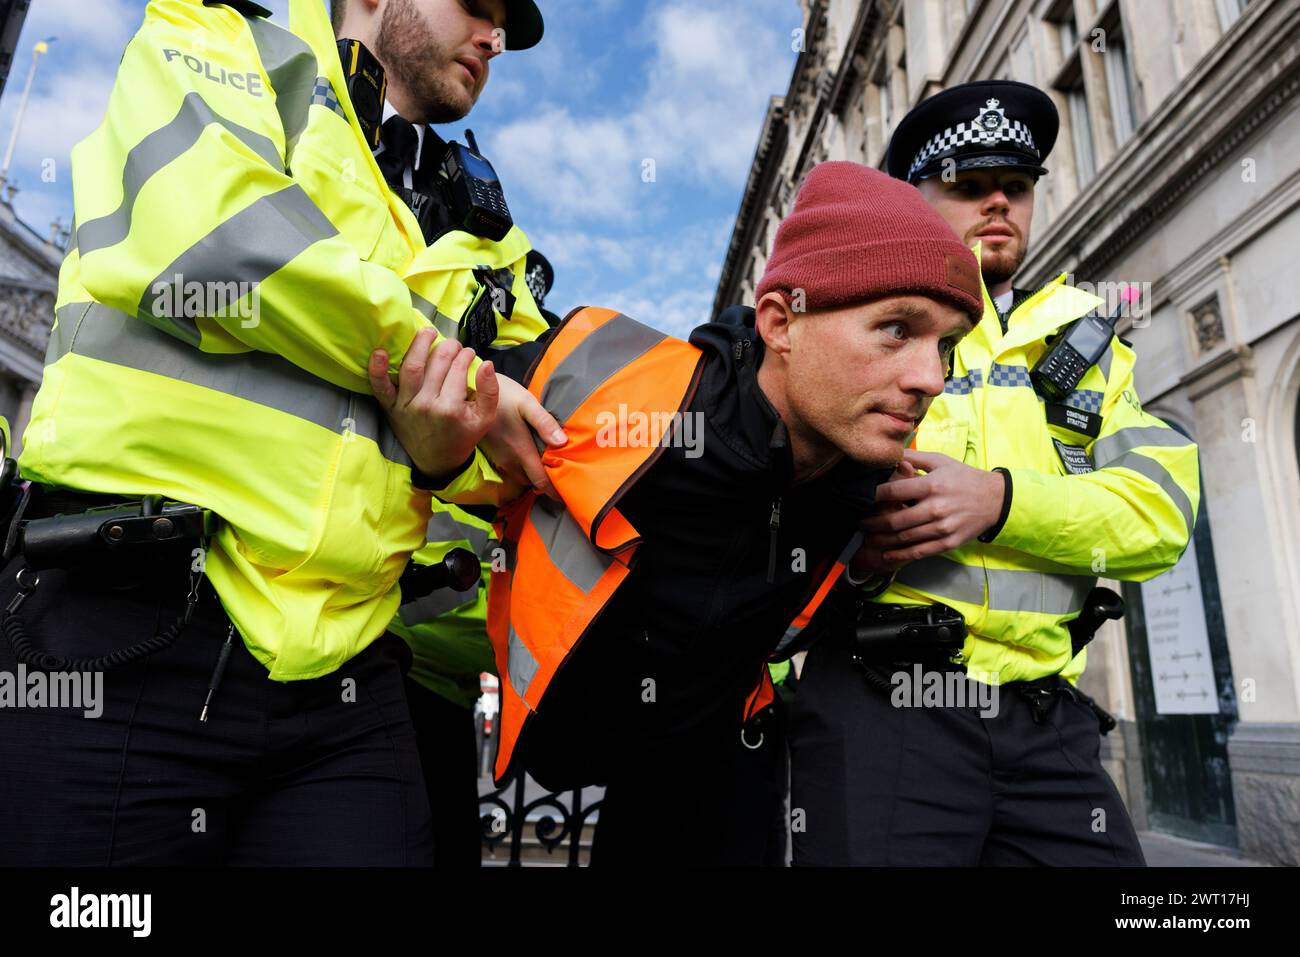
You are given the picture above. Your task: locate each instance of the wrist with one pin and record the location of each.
(429, 481)
(1004, 485)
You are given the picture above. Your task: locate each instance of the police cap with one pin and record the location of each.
(977, 125)
(524, 24)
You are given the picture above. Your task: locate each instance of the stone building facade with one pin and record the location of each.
(29, 270)
(1177, 167)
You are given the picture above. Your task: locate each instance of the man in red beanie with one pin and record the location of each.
(788, 426)
(1025, 487)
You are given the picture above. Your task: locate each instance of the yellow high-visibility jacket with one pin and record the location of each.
(447, 630)
(1119, 503)
(237, 257)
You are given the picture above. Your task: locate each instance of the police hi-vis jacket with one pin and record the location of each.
(1098, 488)
(237, 257)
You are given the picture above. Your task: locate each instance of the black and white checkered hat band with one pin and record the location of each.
(964, 134)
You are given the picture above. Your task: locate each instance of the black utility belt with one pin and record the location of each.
(887, 633)
(62, 528)
(1041, 691)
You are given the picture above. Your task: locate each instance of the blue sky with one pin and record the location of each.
(569, 125)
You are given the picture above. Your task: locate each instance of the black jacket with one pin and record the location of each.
(733, 549)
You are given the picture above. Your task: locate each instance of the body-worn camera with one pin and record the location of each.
(367, 87)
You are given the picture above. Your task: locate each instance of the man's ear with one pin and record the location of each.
(772, 318)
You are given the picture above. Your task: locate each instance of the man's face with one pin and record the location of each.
(993, 206)
(438, 52)
(862, 377)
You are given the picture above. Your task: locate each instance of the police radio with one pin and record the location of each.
(1077, 350)
(472, 192)
(366, 85)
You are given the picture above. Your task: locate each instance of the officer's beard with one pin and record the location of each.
(407, 46)
(1000, 265)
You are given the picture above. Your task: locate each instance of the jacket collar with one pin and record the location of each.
(309, 20)
(1034, 316)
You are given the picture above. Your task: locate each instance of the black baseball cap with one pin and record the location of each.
(987, 123)
(524, 26)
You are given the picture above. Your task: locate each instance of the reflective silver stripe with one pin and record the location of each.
(1146, 466)
(153, 153)
(436, 604)
(1112, 447)
(1009, 589)
(112, 336)
(1107, 358)
(291, 67)
(251, 245)
(788, 638)
(851, 547)
(488, 552)
(944, 577)
(443, 527)
(1013, 590)
(567, 546)
(521, 666)
(604, 352)
(446, 325)
(66, 320)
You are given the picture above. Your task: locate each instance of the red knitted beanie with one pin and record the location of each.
(856, 235)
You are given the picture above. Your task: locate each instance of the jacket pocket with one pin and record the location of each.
(948, 437)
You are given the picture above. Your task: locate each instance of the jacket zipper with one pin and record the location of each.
(773, 530)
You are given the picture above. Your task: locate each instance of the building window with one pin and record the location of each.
(1230, 11)
(1085, 162)
(1069, 81)
(1022, 65)
(1119, 81)
(886, 113)
(895, 80)
(1067, 33)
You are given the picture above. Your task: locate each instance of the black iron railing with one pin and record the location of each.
(556, 820)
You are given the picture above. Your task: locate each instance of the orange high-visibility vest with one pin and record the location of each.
(563, 563)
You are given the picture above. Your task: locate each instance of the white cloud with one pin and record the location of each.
(664, 279)
(67, 109)
(706, 90)
(101, 26)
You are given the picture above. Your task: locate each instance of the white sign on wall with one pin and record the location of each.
(1177, 640)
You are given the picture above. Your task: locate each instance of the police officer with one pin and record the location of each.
(212, 511)
(930, 751)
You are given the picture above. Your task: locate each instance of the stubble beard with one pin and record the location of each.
(1000, 265)
(409, 49)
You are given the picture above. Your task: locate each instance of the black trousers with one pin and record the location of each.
(876, 784)
(712, 800)
(444, 734)
(320, 772)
